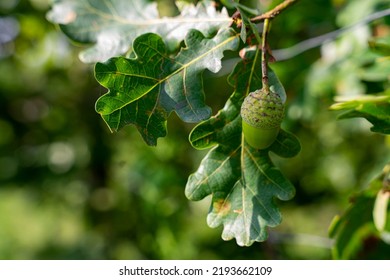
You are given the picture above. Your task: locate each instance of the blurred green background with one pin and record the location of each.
(69, 189)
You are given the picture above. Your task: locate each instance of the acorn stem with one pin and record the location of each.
(264, 62)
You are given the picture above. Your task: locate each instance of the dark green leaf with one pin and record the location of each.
(243, 181)
(229, 3)
(145, 89)
(247, 26)
(248, 10)
(112, 25)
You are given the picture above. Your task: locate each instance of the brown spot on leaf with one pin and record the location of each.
(222, 206)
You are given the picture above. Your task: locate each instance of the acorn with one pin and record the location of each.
(262, 113)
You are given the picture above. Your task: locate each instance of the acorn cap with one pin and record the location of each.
(263, 110)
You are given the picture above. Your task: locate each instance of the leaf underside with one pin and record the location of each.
(112, 25)
(243, 181)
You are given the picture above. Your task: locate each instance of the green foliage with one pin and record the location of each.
(154, 80)
(146, 88)
(84, 193)
(364, 223)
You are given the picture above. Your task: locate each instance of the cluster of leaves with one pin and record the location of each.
(152, 66)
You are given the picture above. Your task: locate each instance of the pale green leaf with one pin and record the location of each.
(112, 25)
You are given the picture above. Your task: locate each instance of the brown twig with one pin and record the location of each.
(275, 11)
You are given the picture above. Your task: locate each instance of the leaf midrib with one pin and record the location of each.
(180, 69)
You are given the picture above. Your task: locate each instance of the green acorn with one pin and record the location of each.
(262, 113)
